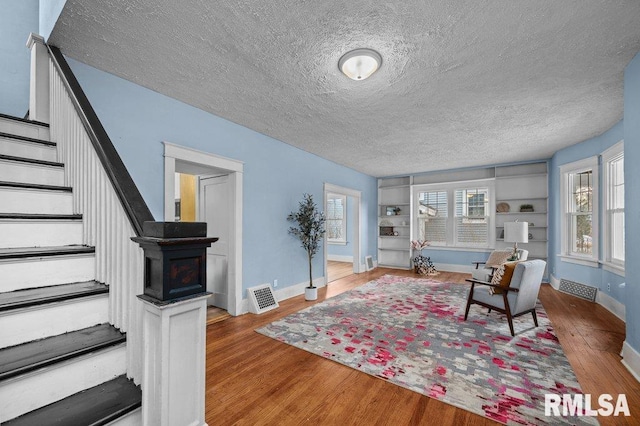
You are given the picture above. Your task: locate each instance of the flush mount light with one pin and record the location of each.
(360, 63)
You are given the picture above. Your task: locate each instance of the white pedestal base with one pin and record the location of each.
(173, 379)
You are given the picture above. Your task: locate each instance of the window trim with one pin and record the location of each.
(343, 240)
(612, 265)
(590, 163)
(450, 188)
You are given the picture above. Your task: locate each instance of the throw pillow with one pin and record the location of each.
(497, 258)
(502, 277)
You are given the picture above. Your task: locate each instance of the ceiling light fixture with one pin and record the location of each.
(360, 63)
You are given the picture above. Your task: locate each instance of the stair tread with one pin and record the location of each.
(55, 293)
(30, 161)
(20, 359)
(98, 405)
(24, 120)
(27, 139)
(22, 252)
(40, 216)
(35, 186)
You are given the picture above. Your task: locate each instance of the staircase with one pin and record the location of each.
(61, 362)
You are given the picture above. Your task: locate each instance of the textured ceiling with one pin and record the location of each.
(462, 83)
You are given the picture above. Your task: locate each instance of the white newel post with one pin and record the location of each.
(174, 323)
(173, 378)
(39, 83)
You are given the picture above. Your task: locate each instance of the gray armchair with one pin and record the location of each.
(486, 272)
(517, 299)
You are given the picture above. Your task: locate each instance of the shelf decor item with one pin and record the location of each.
(516, 232)
(309, 228)
(526, 208)
(422, 264)
(503, 208)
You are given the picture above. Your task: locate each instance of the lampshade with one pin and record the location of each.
(516, 232)
(360, 63)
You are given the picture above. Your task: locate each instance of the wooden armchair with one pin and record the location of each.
(517, 299)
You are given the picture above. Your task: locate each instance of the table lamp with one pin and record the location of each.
(516, 232)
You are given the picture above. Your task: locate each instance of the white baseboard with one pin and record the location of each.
(555, 283)
(611, 304)
(602, 299)
(286, 293)
(340, 258)
(449, 267)
(631, 360)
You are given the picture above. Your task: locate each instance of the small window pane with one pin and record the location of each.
(432, 216)
(582, 234)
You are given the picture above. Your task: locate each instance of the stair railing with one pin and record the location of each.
(104, 193)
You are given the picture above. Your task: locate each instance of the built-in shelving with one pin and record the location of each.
(518, 185)
(394, 222)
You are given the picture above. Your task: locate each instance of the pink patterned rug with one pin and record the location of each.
(410, 332)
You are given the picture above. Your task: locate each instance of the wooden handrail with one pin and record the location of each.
(134, 205)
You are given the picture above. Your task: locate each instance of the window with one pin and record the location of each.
(432, 216)
(454, 215)
(580, 202)
(472, 222)
(613, 191)
(336, 223)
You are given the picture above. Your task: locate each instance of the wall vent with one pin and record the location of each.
(261, 299)
(580, 290)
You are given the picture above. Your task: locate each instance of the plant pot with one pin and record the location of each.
(310, 293)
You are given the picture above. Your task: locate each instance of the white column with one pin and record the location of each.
(173, 378)
(39, 84)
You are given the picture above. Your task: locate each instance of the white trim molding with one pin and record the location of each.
(631, 360)
(357, 220)
(193, 161)
(611, 304)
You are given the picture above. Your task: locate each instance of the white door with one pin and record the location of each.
(215, 209)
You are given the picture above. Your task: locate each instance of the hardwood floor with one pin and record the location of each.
(255, 380)
(337, 270)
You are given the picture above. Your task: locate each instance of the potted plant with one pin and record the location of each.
(309, 228)
(421, 264)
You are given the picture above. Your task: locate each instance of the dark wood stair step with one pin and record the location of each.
(95, 406)
(30, 161)
(57, 293)
(23, 120)
(34, 186)
(26, 252)
(26, 357)
(37, 216)
(27, 139)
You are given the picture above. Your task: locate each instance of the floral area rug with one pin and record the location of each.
(411, 332)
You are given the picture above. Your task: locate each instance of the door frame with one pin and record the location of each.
(357, 235)
(192, 161)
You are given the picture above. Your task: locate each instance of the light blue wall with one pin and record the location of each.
(593, 276)
(632, 201)
(345, 249)
(49, 13)
(276, 175)
(18, 18)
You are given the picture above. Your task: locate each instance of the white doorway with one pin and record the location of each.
(214, 202)
(355, 199)
(227, 282)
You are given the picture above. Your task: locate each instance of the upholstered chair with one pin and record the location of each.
(517, 296)
(496, 258)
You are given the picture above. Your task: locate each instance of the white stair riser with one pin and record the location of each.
(31, 201)
(38, 322)
(24, 149)
(24, 129)
(18, 274)
(41, 387)
(30, 233)
(15, 171)
(133, 418)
